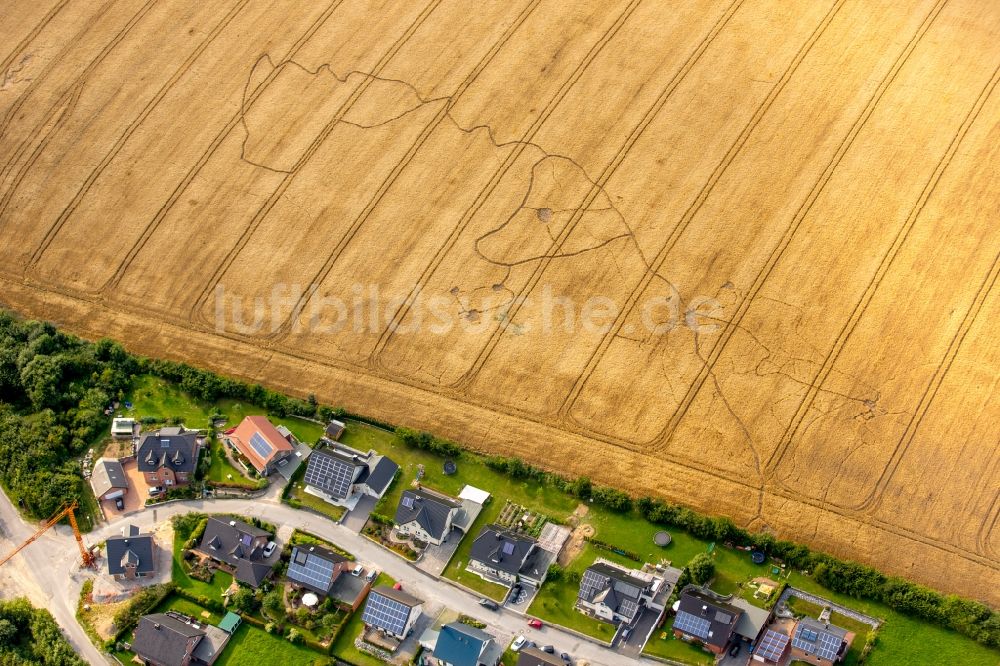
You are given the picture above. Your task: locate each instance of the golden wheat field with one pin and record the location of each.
(783, 216)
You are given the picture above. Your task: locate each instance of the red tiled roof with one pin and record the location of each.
(241, 435)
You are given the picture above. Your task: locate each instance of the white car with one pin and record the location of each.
(518, 643)
(358, 570)
(269, 548)
(372, 575)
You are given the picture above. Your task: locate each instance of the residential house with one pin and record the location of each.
(261, 443)
(172, 639)
(131, 555)
(122, 428)
(752, 621)
(460, 644)
(168, 456)
(502, 556)
(108, 479)
(772, 647)
(316, 568)
(702, 617)
(341, 475)
(612, 593)
(392, 612)
(532, 656)
(820, 643)
(425, 515)
(334, 429)
(239, 548)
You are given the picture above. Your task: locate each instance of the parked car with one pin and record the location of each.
(735, 650)
(548, 648)
(119, 504)
(358, 570)
(372, 575)
(535, 624)
(518, 643)
(489, 604)
(565, 657)
(155, 490)
(269, 548)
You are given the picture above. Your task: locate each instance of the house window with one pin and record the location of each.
(169, 482)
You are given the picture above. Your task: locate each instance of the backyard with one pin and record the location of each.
(298, 497)
(344, 645)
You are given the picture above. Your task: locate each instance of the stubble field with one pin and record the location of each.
(818, 181)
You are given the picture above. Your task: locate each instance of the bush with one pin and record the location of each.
(555, 572)
(141, 604)
(702, 568)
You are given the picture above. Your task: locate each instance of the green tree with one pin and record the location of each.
(702, 568)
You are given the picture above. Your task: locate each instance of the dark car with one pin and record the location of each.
(119, 504)
(490, 604)
(549, 649)
(735, 650)
(565, 657)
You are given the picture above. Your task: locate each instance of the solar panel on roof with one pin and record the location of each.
(822, 644)
(386, 613)
(408, 502)
(628, 608)
(508, 548)
(260, 445)
(311, 570)
(772, 645)
(329, 474)
(590, 584)
(692, 624)
(724, 618)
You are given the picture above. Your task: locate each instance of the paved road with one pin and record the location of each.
(54, 565)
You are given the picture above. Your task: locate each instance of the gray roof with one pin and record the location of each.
(502, 549)
(334, 429)
(702, 615)
(389, 609)
(314, 567)
(752, 621)
(174, 448)
(107, 475)
(226, 543)
(381, 474)
(333, 472)
(613, 587)
(532, 656)
(137, 549)
(162, 638)
(818, 638)
(429, 510)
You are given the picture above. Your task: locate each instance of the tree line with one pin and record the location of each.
(55, 388)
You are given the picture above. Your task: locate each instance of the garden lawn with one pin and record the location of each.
(222, 471)
(250, 645)
(344, 647)
(220, 581)
(157, 398)
(189, 608)
(906, 641)
(556, 600)
(676, 649)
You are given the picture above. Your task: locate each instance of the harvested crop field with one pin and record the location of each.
(739, 253)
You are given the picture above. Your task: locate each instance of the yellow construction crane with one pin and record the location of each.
(65, 512)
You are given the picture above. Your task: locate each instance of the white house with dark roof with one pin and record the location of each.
(315, 568)
(391, 611)
(341, 475)
(615, 594)
(501, 556)
(426, 515)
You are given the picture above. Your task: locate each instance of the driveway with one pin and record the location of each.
(632, 646)
(134, 499)
(523, 600)
(436, 558)
(356, 518)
